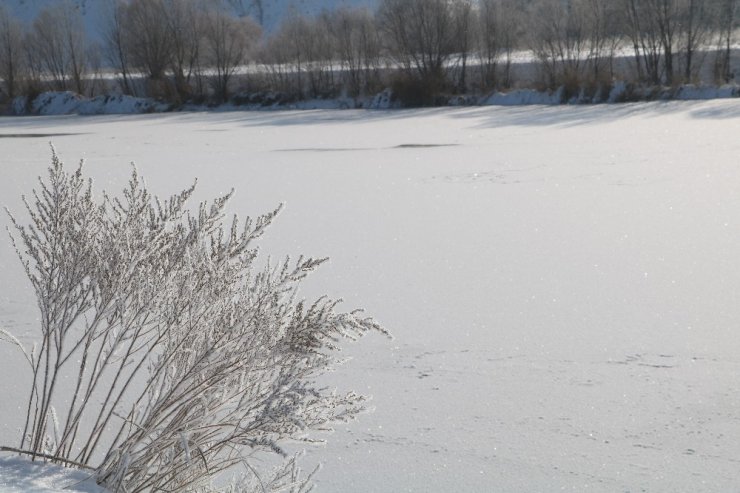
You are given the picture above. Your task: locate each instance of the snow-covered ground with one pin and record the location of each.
(23, 476)
(563, 282)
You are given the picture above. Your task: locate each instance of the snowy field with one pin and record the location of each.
(563, 283)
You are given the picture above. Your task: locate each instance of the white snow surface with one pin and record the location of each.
(563, 282)
(19, 475)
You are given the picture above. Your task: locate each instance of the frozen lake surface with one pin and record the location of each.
(563, 283)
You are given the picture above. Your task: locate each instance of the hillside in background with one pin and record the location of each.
(94, 11)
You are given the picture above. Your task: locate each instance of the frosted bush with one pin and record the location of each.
(185, 358)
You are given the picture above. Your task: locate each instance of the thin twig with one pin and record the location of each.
(54, 458)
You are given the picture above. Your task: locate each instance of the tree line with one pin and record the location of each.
(196, 50)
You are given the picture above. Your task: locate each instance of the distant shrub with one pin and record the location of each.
(570, 86)
(184, 358)
(263, 98)
(413, 91)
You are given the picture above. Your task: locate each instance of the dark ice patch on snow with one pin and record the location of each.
(36, 136)
(421, 146)
(353, 149)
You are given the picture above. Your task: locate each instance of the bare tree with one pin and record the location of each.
(12, 62)
(499, 32)
(666, 15)
(489, 40)
(114, 37)
(186, 25)
(664, 31)
(155, 37)
(277, 57)
(726, 13)
(604, 36)
(148, 37)
(510, 22)
(694, 31)
(320, 54)
(58, 44)
(275, 60)
(420, 35)
(227, 42)
(287, 54)
(357, 46)
(642, 29)
(465, 34)
(559, 39)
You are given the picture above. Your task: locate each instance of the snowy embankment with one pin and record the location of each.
(621, 92)
(69, 103)
(562, 281)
